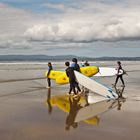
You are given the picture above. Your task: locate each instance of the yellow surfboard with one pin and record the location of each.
(62, 102)
(61, 78)
(89, 70)
(54, 74)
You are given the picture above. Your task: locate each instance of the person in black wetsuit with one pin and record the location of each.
(76, 67)
(49, 70)
(72, 78)
(119, 75)
(87, 64)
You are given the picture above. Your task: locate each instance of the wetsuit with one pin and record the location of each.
(87, 64)
(119, 76)
(72, 79)
(76, 67)
(48, 79)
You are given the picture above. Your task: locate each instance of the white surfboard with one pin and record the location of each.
(95, 86)
(106, 71)
(95, 109)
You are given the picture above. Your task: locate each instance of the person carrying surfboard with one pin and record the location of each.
(75, 65)
(49, 70)
(72, 79)
(119, 74)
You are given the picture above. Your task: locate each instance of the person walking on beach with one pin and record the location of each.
(76, 67)
(72, 78)
(119, 74)
(49, 70)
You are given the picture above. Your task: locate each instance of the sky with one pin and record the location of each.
(93, 28)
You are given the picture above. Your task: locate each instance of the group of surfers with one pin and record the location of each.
(74, 86)
(72, 79)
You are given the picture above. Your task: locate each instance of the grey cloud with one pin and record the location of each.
(80, 22)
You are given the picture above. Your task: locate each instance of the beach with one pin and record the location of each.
(24, 110)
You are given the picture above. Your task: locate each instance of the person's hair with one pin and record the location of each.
(49, 64)
(119, 62)
(74, 60)
(67, 63)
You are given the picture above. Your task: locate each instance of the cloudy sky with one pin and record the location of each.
(80, 27)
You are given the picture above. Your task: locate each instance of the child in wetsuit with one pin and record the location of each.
(72, 78)
(49, 70)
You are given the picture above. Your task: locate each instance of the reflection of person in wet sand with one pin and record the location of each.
(48, 101)
(74, 107)
(86, 98)
(120, 102)
(119, 91)
(120, 99)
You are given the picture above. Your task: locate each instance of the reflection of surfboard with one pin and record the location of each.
(62, 102)
(95, 86)
(95, 109)
(105, 71)
(94, 98)
(61, 77)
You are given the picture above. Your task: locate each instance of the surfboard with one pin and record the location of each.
(89, 70)
(95, 109)
(95, 86)
(61, 78)
(54, 74)
(106, 71)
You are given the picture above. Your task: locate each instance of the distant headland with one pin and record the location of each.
(62, 58)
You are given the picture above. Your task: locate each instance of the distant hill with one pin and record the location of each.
(61, 58)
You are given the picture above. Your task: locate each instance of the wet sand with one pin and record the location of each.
(24, 113)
